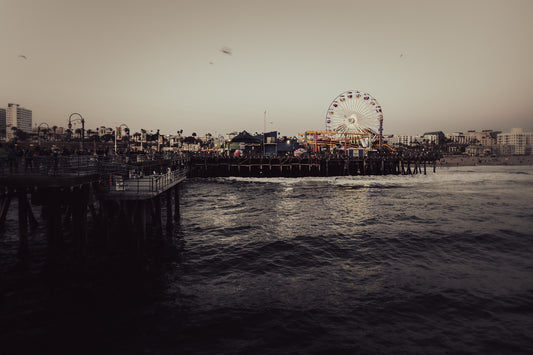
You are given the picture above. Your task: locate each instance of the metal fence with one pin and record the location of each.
(81, 165)
(144, 184)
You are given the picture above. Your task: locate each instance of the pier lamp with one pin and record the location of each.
(77, 119)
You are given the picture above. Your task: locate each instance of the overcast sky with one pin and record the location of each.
(432, 65)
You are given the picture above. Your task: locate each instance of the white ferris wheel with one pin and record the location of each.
(355, 113)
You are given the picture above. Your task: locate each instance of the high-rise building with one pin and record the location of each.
(2, 123)
(17, 117)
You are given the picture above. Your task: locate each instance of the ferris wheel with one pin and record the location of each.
(354, 112)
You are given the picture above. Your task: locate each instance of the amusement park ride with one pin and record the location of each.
(354, 120)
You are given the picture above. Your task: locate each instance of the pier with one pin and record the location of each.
(118, 199)
(326, 165)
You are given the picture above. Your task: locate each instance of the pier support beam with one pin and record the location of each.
(177, 203)
(23, 222)
(79, 202)
(168, 197)
(140, 226)
(157, 215)
(54, 231)
(5, 201)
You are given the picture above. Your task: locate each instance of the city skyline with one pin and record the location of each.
(148, 129)
(218, 66)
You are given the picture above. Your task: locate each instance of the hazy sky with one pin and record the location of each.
(432, 65)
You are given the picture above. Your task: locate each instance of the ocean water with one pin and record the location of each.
(438, 263)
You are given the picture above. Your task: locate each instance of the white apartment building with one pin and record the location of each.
(410, 140)
(430, 138)
(406, 140)
(457, 137)
(520, 141)
(17, 117)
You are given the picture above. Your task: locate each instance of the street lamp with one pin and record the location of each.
(78, 119)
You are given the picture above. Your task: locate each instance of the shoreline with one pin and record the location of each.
(461, 160)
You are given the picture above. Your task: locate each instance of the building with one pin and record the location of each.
(486, 137)
(102, 131)
(2, 123)
(17, 118)
(405, 140)
(457, 137)
(520, 142)
(270, 143)
(246, 143)
(435, 138)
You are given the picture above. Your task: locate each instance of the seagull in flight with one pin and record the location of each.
(226, 50)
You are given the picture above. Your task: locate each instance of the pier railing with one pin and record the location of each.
(81, 165)
(144, 184)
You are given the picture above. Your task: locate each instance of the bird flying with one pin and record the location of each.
(22, 56)
(226, 50)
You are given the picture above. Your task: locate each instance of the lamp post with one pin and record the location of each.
(80, 119)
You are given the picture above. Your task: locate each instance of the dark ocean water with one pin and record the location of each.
(441, 263)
